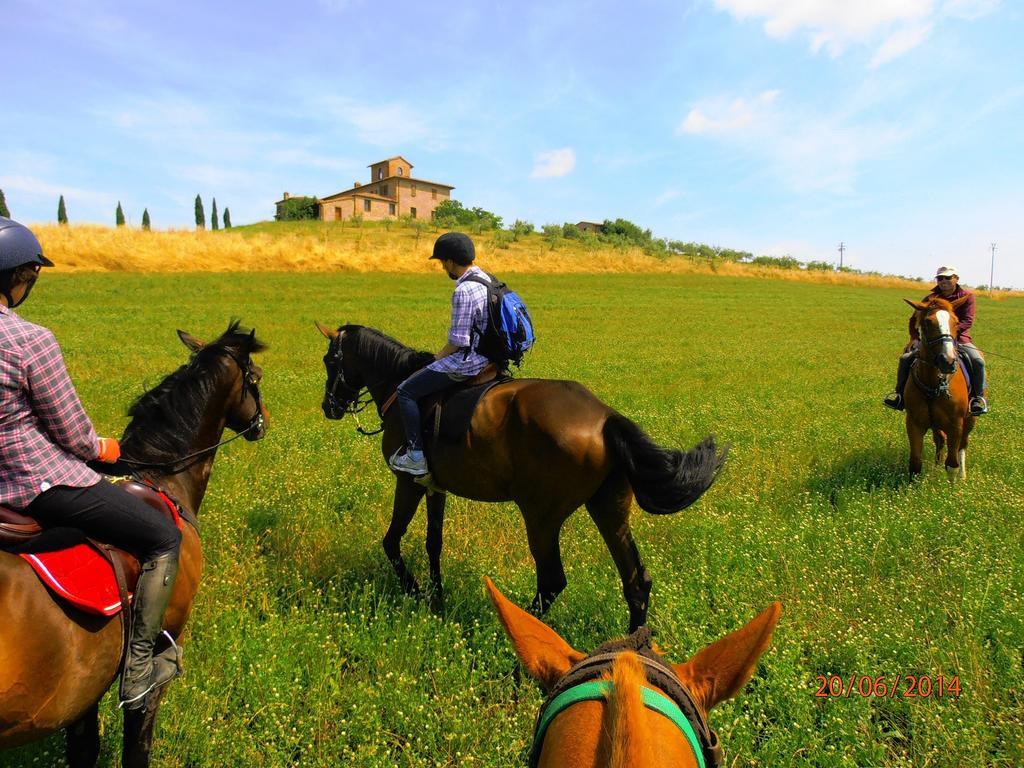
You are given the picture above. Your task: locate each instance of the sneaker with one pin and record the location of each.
(893, 400)
(410, 462)
(978, 406)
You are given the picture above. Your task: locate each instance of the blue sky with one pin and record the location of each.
(775, 126)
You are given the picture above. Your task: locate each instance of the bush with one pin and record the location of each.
(820, 266)
(571, 232)
(521, 229)
(453, 211)
(779, 262)
(552, 234)
(503, 239)
(298, 208)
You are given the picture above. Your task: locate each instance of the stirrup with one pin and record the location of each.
(165, 667)
(401, 461)
(894, 400)
(978, 406)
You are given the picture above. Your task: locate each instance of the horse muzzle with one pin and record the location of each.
(332, 409)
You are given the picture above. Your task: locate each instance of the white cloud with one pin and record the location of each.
(836, 25)
(554, 163)
(806, 150)
(36, 187)
(723, 117)
(386, 125)
(899, 42)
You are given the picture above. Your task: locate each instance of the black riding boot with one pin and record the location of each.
(894, 399)
(152, 594)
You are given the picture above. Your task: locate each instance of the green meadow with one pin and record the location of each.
(303, 651)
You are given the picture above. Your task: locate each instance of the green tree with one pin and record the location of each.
(298, 208)
(227, 218)
(200, 214)
(3, 206)
(62, 212)
(145, 219)
(214, 224)
(449, 211)
(119, 215)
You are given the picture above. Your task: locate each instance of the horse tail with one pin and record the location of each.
(664, 480)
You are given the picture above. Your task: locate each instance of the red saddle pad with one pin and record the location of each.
(80, 575)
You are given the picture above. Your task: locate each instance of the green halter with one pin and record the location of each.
(598, 690)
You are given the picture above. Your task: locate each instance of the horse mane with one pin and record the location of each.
(625, 716)
(165, 419)
(936, 303)
(384, 353)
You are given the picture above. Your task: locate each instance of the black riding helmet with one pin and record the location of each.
(18, 246)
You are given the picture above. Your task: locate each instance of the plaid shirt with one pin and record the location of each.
(469, 312)
(45, 435)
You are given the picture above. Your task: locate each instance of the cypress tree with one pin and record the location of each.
(119, 215)
(145, 219)
(227, 218)
(200, 215)
(214, 224)
(62, 212)
(3, 206)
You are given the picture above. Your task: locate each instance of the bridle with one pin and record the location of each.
(944, 378)
(250, 386)
(583, 683)
(351, 399)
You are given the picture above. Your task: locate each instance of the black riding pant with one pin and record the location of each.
(108, 514)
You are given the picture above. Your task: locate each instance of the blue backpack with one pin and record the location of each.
(509, 332)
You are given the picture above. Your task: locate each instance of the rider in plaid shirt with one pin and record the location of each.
(45, 440)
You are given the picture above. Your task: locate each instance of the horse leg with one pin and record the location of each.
(82, 739)
(138, 731)
(916, 435)
(939, 437)
(609, 509)
(435, 538)
(407, 497)
(543, 527)
(953, 454)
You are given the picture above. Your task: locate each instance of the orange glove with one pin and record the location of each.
(110, 450)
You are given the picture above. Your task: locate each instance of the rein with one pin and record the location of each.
(353, 400)
(256, 423)
(583, 683)
(942, 390)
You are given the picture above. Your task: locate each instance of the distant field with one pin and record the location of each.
(303, 650)
(314, 246)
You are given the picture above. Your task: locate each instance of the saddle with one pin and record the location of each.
(94, 576)
(446, 415)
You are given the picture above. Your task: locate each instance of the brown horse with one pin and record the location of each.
(624, 706)
(549, 446)
(57, 662)
(936, 393)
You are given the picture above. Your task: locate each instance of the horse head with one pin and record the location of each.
(623, 704)
(936, 323)
(240, 377)
(344, 382)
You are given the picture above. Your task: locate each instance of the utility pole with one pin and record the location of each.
(992, 269)
(842, 248)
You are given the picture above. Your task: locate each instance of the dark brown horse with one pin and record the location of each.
(57, 662)
(936, 393)
(549, 446)
(624, 706)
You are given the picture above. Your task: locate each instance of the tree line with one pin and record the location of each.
(119, 217)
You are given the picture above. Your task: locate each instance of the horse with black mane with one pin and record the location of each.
(549, 446)
(56, 661)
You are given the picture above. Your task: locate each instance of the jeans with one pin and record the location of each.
(419, 385)
(108, 514)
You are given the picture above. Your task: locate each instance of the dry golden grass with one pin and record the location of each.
(330, 247)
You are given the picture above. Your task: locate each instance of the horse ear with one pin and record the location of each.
(960, 302)
(330, 333)
(719, 671)
(190, 341)
(546, 656)
(916, 304)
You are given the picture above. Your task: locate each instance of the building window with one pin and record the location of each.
(366, 205)
(391, 208)
(414, 190)
(400, 170)
(412, 212)
(380, 174)
(384, 190)
(433, 193)
(337, 212)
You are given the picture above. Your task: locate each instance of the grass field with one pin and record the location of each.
(303, 650)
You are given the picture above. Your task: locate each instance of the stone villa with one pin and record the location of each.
(391, 192)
